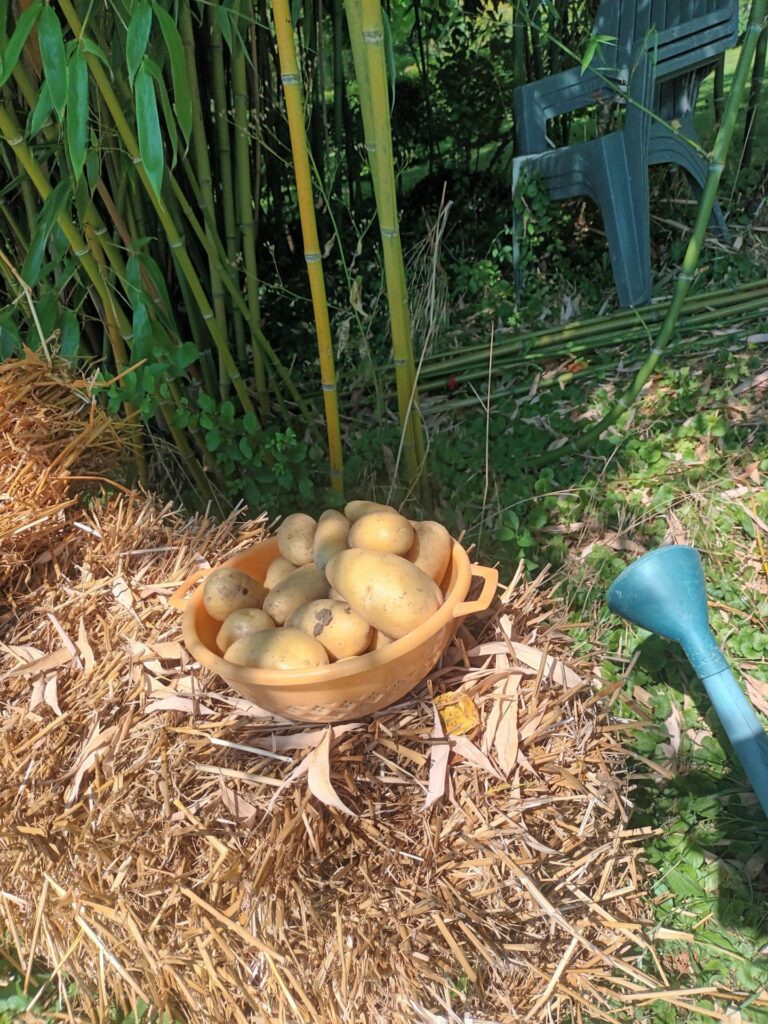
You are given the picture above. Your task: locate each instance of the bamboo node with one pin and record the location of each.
(16, 142)
(82, 252)
(290, 79)
(137, 159)
(179, 243)
(313, 257)
(389, 232)
(718, 168)
(329, 387)
(373, 37)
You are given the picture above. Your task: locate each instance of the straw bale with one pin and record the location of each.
(162, 840)
(51, 429)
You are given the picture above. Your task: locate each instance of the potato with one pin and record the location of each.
(295, 536)
(334, 595)
(431, 549)
(382, 531)
(277, 571)
(330, 537)
(227, 590)
(342, 632)
(386, 590)
(379, 641)
(303, 585)
(353, 510)
(277, 649)
(240, 623)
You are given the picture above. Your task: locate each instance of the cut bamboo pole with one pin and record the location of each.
(289, 70)
(693, 251)
(374, 73)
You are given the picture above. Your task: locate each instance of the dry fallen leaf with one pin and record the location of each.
(757, 691)
(673, 723)
(501, 726)
(467, 749)
(44, 664)
(99, 743)
(319, 776)
(51, 693)
(553, 668)
(457, 712)
(300, 740)
(237, 805)
(85, 649)
(439, 752)
(178, 702)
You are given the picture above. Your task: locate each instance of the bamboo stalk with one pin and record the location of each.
(175, 239)
(204, 179)
(755, 92)
(693, 251)
(246, 217)
(293, 102)
(224, 147)
(372, 30)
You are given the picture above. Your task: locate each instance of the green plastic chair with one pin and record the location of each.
(661, 51)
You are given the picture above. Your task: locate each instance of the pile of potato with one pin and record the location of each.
(341, 586)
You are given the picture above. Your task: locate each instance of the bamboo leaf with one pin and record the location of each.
(139, 28)
(70, 335)
(148, 123)
(54, 58)
(182, 103)
(141, 344)
(52, 207)
(89, 46)
(77, 114)
(165, 103)
(295, 12)
(10, 57)
(10, 343)
(222, 17)
(41, 111)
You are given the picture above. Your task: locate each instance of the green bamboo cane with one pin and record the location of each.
(245, 214)
(755, 92)
(291, 78)
(394, 267)
(355, 26)
(338, 92)
(204, 180)
(224, 146)
(695, 244)
(175, 239)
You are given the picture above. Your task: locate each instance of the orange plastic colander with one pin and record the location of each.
(344, 689)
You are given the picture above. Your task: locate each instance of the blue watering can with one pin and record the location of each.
(664, 592)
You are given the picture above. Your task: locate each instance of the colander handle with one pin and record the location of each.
(176, 600)
(491, 577)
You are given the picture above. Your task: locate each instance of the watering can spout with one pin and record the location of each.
(665, 593)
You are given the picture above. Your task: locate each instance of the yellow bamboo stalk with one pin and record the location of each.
(289, 71)
(372, 29)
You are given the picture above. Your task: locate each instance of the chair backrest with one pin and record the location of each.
(680, 34)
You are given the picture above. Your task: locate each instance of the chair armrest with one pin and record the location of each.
(537, 102)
